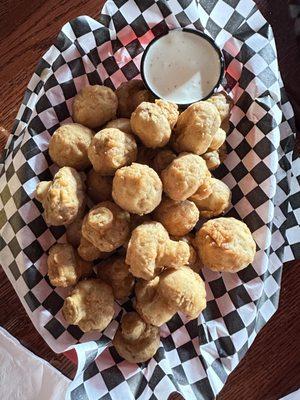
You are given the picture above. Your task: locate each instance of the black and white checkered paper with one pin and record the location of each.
(195, 357)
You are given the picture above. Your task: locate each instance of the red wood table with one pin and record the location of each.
(27, 29)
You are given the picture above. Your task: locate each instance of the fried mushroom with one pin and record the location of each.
(99, 187)
(150, 250)
(178, 217)
(184, 176)
(130, 94)
(63, 198)
(135, 340)
(123, 124)
(181, 290)
(106, 226)
(116, 273)
(69, 144)
(65, 267)
(225, 245)
(94, 105)
(90, 305)
(196, 127)
(73, 232)
(163, 159)
(111, 149)
(217, 202)
(153, 122)
(137, 189)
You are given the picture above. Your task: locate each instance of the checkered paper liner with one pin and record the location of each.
(195, 357)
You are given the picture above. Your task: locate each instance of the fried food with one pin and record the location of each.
(90, 305)
(116, 273)
(95, 105)
(135, 340)
(106, 226)
(137, 189)
(130, 94)
(111, 149)
(99, 187)
(68, 146)
(170, 110)
(202, 192)
(178, 217)
(153, 122)
(217, 202)
(162, 159)
(196, 127)
(135, 221)
(173, 291)
(212, 159)
(89, 252)
(223, 103)
(225, 245)
(184, 176)
(65, 267)
(194, 261)
(63, 198)
(150, 250)
(73, 232)
(217, 140)
(123, 124)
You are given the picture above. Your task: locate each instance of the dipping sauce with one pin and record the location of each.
(182, 66)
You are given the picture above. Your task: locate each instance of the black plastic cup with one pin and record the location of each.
(195, 32)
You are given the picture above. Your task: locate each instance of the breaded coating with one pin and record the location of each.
(135, 340)
(130, 94)
(116, 273)
(184, 176)
(153, 122)
(202, 192)
(99, 187)
(137, 189)
(73, 232)
(223, 103)
(63, 199)
(225, 245)
(95, 105)
(180, 290)
(217, 140)
(111, 149)
(196, 126)
(178, 217)
(65, 267)
(153, 308)
(150, 250)
(89, 252)
(170, 110)
(123, 124)
(106, 226)
(135, 221)
(217, 202)
(68, 146)
(212, 159)
(194, 261)
(90, 305)
(162, 159)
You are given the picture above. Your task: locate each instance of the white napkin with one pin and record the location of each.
(25, 376)
(292, 396)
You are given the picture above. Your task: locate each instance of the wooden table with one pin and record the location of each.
(271, 368)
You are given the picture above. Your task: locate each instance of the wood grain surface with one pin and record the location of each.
(271, 368)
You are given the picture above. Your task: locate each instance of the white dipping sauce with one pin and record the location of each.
(182, 67)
